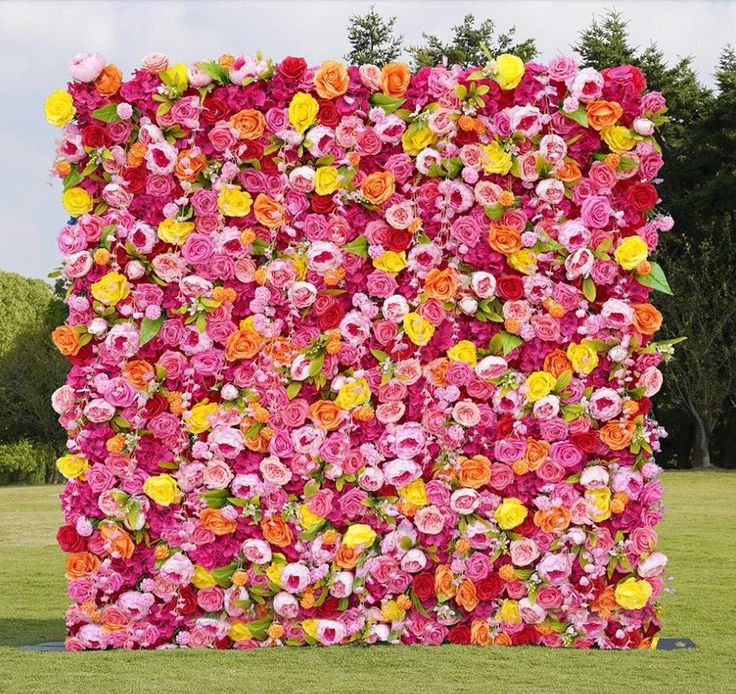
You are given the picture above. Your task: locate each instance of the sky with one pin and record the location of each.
(38, 38)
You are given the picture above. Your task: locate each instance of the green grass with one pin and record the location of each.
(699, 535)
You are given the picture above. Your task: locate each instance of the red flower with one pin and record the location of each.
(423, 586)
(642, 196)
(95, 137)
(510, 287)
(490, 587)
(292, 68)
(459, 634)
(214, 109)
(70, 540)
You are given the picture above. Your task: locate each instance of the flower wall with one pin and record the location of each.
(359, 355)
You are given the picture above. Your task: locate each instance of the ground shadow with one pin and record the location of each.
(26, 632)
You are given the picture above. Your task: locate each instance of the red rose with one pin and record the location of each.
(490, 587)
(328, 608)
(269, 165)
(187, 602)
(423, 586)
(250, 149)
(398, 239)
(642, 196)
(329, 312)
(292, 68)
(214, 109)
(459, 634)
(323, 204)
(510, 287)
(504, 426)
(135, 179)
(328, 114)
(584, 441)
(95, 137)
(69, 539)
(155, 406)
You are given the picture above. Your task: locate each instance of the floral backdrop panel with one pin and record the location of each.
(359, 355)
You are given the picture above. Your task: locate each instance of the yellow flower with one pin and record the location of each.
(309, 627)
(510, 513)
(618, 137)
(77, 201)
(600, 499)
(416, 138)
(176, 76)
(509, 612)
(523, 261)
(631, 251)
(359, 534)
(539, 384)
(391, 261)
(273, 572)
(583, 357)
(496, 160)
(163, 489)
(175, 232)
(353, 394)
(307, 519)
(463, 351)
(326, 180)
(72, 466)
(197, 421)
(633, 594)
(419, 329)
(59, 108)
(111, 288)
(391, 612)
(415, 493)
(509, 70)
(239, 631)
(302, 111)
(234, 202)
(203, 578)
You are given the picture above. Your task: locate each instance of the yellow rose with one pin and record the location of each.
(391, 612)
(309, 627)
(359, 534)
(496, 159)
(416, 138)
(523, 261)
(197, 420)
(463, 351)
(72, 466)
(419, 329)
(111, 288)
(583, 357)
(77, 201)
(618, 137)
(391, 261)
(509, 612)
(302, 111)
(176, 76)
(307, 519)
(633, 594)
(539, 384)
(239, 631)
(510, 513)
(631, 251)
(415, 493)
(175, 232)
(353, 394)
(163, 489)
(273, 572)
(326, 180)
(600, 500)
(509, 70)
(59, 108)
(234, 202)
(203, 578)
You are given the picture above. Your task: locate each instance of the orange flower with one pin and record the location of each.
(326, 414)
(501, 639)
(276, 531)
(536, 453)
(466, 596)
(268, 211)
(504, 239)
(474, 472)
(136, 154)
(480, 632)
(139, 372)
(249, 123)
(66, 340)
(441, 284)
(556, 363)
(189, 166)
(602, 114)
(443, 584)
(113, 618)
(214, 521)
(605, 602)
(119, 543)
(275, 631)
(555, 519)
(347, 557)
(79, 564)
(259, 442)
(108, 81)
(378, 186)
(436, 372)
(568, 172)
(242, 344)
(647, 319)
(617, 434)
(395, 79)
(331, 79)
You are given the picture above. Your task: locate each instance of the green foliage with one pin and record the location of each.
(372, 39)
(25, 462)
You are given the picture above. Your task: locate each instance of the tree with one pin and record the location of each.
(372, 39)
(467, 45)
(606, 42)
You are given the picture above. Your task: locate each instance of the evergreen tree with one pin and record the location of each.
(372, 39)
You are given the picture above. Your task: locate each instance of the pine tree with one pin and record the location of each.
(606, 42)
(372, 39)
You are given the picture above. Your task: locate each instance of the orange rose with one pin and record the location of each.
(268, 211)
(568, 172)
(436, 372)
(395, 79)
(602, 114)
(501, 639)
(108, 81)
(118, 541)
(536, 453)
(258, 442)
(556, 363)
(347, 557)
(66, 340)
(242, 344)
(331, 79)
(189, 166)
(480, 632)
(326, 414)
(466, 596)
(555, 519)
(79, 564)
(139, 373)
(214, 521)
(504, 239)
(276, 531)
(617, 434)
(605, 602)
(441, 284)
(378, 187)
(647, 319)
(443, 584)
(474, 472)
(249, 123)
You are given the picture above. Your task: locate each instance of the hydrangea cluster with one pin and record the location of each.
(359, 355)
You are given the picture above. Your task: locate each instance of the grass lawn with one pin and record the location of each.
(699, 535)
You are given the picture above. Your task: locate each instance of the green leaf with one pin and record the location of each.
(655, 279)
(509, 342)
(379, 355)
(215, 71)
(495, 211)
(563, 380)
(358, 246)
(292, 390)
(589, 289)
(215, 498)
(150, 327)
(579, 115)
(388, 103)
(72, 178)
(107, 114)
(224, 573)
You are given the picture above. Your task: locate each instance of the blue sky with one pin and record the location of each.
(38, 38)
